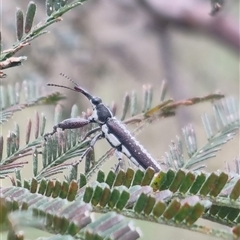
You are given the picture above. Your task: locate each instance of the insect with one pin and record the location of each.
(113, 130)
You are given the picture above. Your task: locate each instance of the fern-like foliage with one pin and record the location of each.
(10, 103)
(172, 197)
(26, 31)
(73, 143)
(226, 123)
(178, 196)
(175, 198)
(34, 94)
(69, 219)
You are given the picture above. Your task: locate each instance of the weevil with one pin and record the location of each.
(113, 130)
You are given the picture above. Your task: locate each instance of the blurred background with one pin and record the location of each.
(111, 47)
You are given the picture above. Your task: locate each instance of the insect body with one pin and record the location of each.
(112, 129)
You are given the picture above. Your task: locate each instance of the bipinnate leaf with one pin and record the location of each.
(0, 44)
(100, 176)
(221, 181)
(49, 189)
(88, 193)
(169, 176)
(82, 180)
(49, 7)
(197, 183)
(35, 161)
(42, 125)
(72, 190)
(138, 177)
(28, 131)
(111, 225)
(105, 197)
(113, 198)
(57, 4)
(110, 178)
(209, 184)
(37, 123)
(33, 185)
(119, 178)
(57, 189)
(163, 90)
(227, 123)
(126, 103)
(4, 212)
(129, 177)
(141, 203)
(123, 200)
(187, 182)
(149, 97)
(18, 177)
(134, 105)
(10, 98)
(43, 186)
(64, 191)
(161, 206)
(177, 181)
(197, 211)
(97, 195)
(148, 176)
(31, 10)
(190, 140)
(172, 209)
(235, 193)
(19, 23)
(1, 148)
(76, 215)
(63, 2)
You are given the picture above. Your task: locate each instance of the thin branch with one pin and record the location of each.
(194, 16)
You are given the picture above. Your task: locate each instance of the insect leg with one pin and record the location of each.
(91, 132)
(120, 164)
(92, 143)
(70, 123)
(50, 133)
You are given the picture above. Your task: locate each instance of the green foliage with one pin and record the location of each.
(60, 216)
(149, 197)
(10, 98)
(226, 124)
(178, 196)
(25, 31)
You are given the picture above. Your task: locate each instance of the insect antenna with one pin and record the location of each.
(77, 88)
(56, 85)
(68, 78)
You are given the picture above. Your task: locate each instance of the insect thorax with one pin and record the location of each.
(101, 114)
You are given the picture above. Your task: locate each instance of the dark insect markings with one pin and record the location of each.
(124, 142)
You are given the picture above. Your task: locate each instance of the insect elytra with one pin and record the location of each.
(113, 130)
(129, 145)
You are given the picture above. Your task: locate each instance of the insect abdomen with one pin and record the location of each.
(120, 138)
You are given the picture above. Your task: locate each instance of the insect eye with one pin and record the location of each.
(96, 100)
